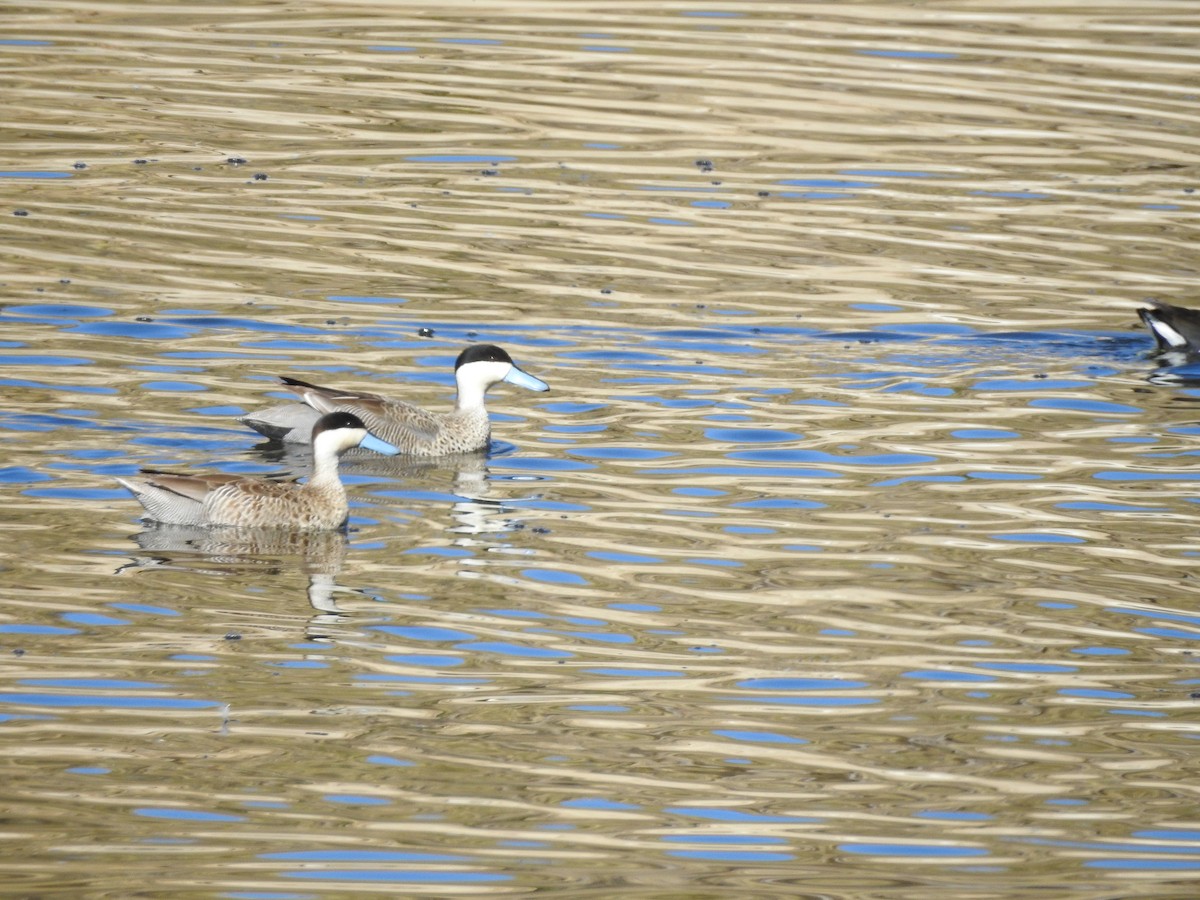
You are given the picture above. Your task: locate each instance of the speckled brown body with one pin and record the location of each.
(177, 499)
(227, 500)
(259, 504)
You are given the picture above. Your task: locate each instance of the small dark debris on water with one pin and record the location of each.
(236, 160)
(260, 176)
(471, 335)
(79, 165)
(232, 636)
(20, 212)
(425, 332)
(143, 319)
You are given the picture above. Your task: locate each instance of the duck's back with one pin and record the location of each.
(415, 430)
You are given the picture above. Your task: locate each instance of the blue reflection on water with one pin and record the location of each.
(115, 702)
(1039, 538)
(908, 54)
(361, 856)
(934, 850)
(93, 619)
(735, 856)
(723, 839)
(357, 799)
(554, 576)
(504, 648)
(22, 475)
(142, 331)
(381, 759)
(759, 737)
(185, 815)
(610, 556)
(751, 435)
(401, 876)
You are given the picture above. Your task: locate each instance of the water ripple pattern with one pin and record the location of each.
(851, 553)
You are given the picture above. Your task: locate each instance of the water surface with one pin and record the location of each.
(850, 555)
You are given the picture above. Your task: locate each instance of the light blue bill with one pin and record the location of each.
(370, 442)
(525, 380)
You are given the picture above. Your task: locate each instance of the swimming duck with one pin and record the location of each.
(414, 430)
(216, 499)
(1176, 329)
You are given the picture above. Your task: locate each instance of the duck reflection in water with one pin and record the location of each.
(237, 553)
(479, 522)
(465, 479)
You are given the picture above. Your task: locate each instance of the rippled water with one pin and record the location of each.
(851, 555)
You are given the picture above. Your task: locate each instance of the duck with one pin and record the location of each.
(319, 504)
(416, 431)
(1175, 328)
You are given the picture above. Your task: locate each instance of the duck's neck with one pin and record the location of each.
(325, 473)
(470, 397)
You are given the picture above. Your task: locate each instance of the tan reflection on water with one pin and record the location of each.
(739, 608)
